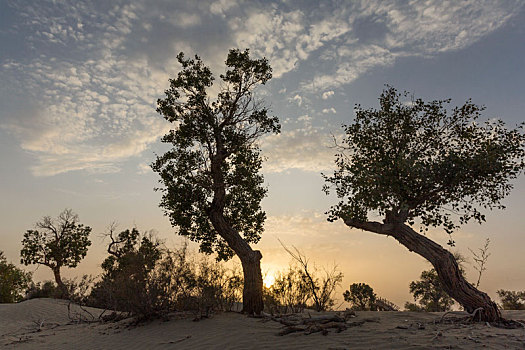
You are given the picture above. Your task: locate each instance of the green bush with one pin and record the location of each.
(13, 281)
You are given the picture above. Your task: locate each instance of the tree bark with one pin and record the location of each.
(61, 286)
(252, 301)
(250, 259)
(443, 261)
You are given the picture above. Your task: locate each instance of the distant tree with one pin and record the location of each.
(416, 161)
(512, 300)
(361, 296)
(429, 293)
(212, 185)
(13, 281)
(56, 243)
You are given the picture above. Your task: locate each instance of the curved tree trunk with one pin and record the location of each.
(61, 286)
(250, 259)
(252, 301)
(444, 263)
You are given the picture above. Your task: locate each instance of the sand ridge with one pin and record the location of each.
(45, 324)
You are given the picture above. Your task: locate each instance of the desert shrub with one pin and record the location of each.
(218, 287)
(126, 283)
(413, 307)
(289, 293)
(146, 281)
(361, 296)
(13, 281)
(202, 284)
(512, 300)
(45, 289)
(382, 304)
(321, 288)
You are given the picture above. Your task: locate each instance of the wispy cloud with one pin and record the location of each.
(306, 148)
(95, 70)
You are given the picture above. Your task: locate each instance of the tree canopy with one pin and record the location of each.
(361, 295)
(417, 159)
(210, 130)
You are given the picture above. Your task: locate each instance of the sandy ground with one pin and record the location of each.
(45, 324)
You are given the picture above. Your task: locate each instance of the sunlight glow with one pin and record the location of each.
(268, 280)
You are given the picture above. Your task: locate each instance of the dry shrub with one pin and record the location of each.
(303, 286)
(148, 281)
(289, 292)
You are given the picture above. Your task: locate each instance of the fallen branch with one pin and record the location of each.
(295, 323)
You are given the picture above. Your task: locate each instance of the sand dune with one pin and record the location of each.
(45, 324)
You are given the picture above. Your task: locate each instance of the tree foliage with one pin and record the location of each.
(56, 242)
(512, 300)
(419, 160)
(214, 150)
(429, 293)
(125, 283)
(13, 281)
(361, 296)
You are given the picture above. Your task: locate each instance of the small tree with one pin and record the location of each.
(429, 293)
(480, 260)
(212, 186)
(13, 281)
(361, 296)
(56, 243)
(512, 300)
(418, 162)
(126, 284)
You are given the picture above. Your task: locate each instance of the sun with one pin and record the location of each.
(269, 280)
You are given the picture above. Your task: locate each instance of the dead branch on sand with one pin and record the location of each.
(295, 323)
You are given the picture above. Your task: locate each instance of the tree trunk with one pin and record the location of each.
(252, 301)
(250, 259)
(253, 285)
(444, 263)
(61, 286)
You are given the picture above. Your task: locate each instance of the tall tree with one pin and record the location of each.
(418, 163)
(56, 243)
(212, 185)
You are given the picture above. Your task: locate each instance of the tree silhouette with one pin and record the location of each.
(56, 243)
(361, 295)
(212, 186)
(416, 161)
(429, 293)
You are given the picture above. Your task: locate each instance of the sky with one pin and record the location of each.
(78, 127)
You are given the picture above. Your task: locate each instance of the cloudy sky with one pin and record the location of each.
(78, 127)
